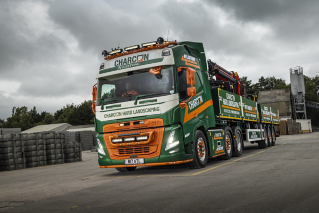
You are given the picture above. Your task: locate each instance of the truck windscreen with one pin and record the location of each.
(126, 86)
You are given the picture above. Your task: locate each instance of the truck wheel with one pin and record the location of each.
(238, 140)
(228, 145)
(273, 136)
(269, 135)
(264, 143)
(126, 169)
(200, 151)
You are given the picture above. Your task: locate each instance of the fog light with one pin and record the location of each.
(129, 139)
(117, 140)
(142, 138)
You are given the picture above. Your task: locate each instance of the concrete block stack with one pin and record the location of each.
(5, 131)
(35, 150)
(72, 152)
(54, 147)
(12, 152)
(289, 127)
(86, 139)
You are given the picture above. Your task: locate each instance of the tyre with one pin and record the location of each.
(200, 151)
(273, 133)
(126, 169)
(238, 142)
(264, 143)
(228, 138)
(269, 135)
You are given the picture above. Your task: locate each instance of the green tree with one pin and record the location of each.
(82, 114)
(48, 119)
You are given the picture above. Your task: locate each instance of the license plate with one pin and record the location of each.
(134, 161)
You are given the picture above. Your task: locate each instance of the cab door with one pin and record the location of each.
(191, 101)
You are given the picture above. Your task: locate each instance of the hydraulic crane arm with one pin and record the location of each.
(224, 78)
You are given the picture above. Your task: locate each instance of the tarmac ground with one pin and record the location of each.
(281, 178)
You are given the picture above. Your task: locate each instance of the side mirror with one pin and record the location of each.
(191, 91)
(190, 76)
(94, 93)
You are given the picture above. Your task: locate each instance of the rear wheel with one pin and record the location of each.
(238, 140)
(200, 151)
(228, 145)
(264, 143)
(126, 169)
(273, 133)
(269, 135)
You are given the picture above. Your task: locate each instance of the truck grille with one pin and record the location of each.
(135, 150)
(120, 151)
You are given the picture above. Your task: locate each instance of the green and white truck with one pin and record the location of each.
(162, 103)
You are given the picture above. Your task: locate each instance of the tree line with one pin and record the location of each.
(73, 114)
(82, 114)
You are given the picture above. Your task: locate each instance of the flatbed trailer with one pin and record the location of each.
(158, 104)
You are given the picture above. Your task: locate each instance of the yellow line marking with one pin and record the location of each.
(197, 173)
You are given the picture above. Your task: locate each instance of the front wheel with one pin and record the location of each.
(200, 151)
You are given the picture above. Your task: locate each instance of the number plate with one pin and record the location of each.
(134, 161)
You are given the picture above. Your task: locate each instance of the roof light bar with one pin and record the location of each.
(115, 51)
(132, 48)
(152, 43)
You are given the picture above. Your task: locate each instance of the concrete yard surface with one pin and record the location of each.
(281, 178)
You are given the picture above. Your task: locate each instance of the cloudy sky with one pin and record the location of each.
(50, 51)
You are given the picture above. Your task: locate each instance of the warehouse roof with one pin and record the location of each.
(274, 96)
(89, 127)
(48, 127)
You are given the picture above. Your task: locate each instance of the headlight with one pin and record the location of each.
(100, 148)
(170, 141)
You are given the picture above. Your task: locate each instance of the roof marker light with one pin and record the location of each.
(132, 48)
(152, 43)
(115, 51)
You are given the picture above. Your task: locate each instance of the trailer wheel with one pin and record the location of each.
(200, 151)
(269, 135)
(264, 143)
(228, 145)
(273, 136)
(238, 140)
(126, 169)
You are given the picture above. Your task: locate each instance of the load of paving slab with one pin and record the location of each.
(18, 151)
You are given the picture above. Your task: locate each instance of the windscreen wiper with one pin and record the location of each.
(149, 96)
